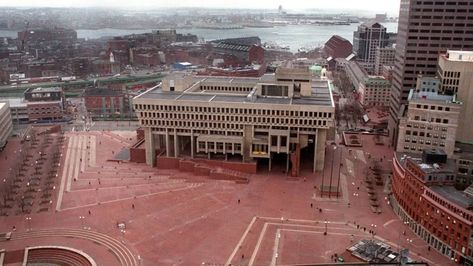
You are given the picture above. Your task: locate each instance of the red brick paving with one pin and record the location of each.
(202, 222)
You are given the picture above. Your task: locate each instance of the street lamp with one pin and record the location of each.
(339, 169)
(454, 261)
(409, 242)
(326, 223)
(28, 221)
(331, 171)
(123, 235)
(373, 227)
(81, 218)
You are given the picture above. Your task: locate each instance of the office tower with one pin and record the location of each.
(384, 57)
(426, 28)
(455, 70)
(431, 120)
(366, 39)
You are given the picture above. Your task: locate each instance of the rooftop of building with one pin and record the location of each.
(48, 89)
(464, 150)
(337, 39)
(372, 24)
(447, 191)
(320, 92)
(247, 41)
(429, 168)
(358, 72)
(376, 79)
(238, 47)
(101, 92)
(14, 102)
(432, 96)
(460, 56)
(453, 195)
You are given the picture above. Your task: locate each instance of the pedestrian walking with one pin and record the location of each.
(133, 206)
(90, 212)
(311, 205)
(238, 201)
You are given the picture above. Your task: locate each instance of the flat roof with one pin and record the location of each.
(195, 97)
(416, 158)
(321, 98)
(464, 56)
(228, 98)
(431, 96)
(454, 195)
(101, 92)
(14, 102)
(48, 89)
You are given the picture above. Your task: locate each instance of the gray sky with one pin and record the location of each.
(389, 6)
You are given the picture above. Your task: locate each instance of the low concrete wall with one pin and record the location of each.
(167, 163)
(249, 168)
(186, 166)
(137, 155)
(201, 170)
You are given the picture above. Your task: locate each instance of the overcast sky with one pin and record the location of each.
(389, 6)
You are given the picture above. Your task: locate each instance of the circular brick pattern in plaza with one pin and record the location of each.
(57, 255)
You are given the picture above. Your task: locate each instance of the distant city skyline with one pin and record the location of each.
(389, 6)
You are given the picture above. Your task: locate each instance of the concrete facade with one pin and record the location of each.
(426, 28)
(374, 91)
(287, 113)
(384, 57)
(455, 69)
(6, 126)
(431, 120)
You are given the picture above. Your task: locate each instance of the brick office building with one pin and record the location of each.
(424, 197)
(45, 103)
(104, 102)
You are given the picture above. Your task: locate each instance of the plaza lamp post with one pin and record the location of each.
(453, 260)
(326, 223)
(406, 223)
(339, 170)
(123, 235)
(323, 177)
(409, 242)
(331, 171)
(81, 218)
(28, 221)
(373, 227)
